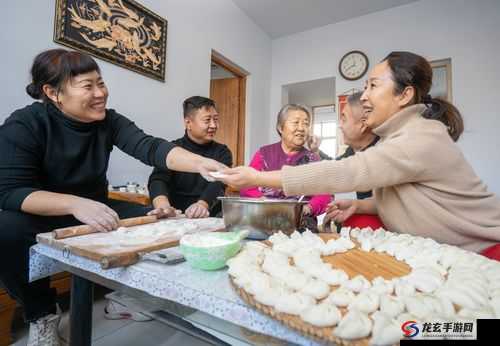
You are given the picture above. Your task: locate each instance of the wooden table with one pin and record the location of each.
(206, 292)
(130, 197)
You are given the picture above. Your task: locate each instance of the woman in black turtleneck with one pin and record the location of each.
(54, 156)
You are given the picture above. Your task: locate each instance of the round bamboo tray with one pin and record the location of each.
(353, 262)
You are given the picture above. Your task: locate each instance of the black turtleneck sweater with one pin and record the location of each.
(184, 189)
(42, 149)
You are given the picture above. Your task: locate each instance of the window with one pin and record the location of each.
(325, 127)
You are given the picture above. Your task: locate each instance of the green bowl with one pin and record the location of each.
(213, 257)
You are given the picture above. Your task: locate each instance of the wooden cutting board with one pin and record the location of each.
(112, 251)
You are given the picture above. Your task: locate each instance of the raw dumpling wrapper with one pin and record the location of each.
(334, 277)
(316, 288)
(344, 232)
(354, 325)
(357, 284)
(391, 306)
(416, 306)
(366, 302)
(403, 288)
(288, 247)
(260, 283)
(382, 286)
(341, 297)
(294, 303)
(426, 280)
(386, 331)
(297, 280)
(276, 290)
(484, 313)
(322, 315)
(277, 238)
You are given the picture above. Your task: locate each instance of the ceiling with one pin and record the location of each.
(285, 17)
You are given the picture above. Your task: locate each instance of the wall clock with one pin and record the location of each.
(353, 65)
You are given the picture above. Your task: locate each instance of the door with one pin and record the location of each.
(226, 94)
(228, 90)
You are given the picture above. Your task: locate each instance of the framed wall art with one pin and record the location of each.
(122, 32)
(441, 79)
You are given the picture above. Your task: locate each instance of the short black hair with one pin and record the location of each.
(195, 103)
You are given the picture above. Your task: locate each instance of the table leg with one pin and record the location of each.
(82, 299)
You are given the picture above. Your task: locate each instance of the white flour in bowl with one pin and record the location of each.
(204, 240)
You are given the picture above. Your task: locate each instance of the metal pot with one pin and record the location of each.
(262, 217)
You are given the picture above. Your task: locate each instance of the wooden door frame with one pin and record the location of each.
(241, 74)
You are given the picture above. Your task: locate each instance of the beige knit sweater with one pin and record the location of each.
(422, 183)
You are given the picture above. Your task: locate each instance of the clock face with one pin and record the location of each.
(353, 65)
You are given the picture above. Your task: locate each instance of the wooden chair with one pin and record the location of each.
(7, 309)
(61, 282)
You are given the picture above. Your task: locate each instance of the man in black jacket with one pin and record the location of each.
(189, 192)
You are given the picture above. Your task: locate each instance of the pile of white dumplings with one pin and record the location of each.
(446, 283)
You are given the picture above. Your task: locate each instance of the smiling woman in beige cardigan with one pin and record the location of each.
(422, 183)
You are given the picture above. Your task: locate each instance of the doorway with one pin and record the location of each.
(228, 90)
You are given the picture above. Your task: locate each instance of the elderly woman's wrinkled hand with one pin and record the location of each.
(240, 177)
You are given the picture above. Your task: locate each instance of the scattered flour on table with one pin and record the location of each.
(146, 234)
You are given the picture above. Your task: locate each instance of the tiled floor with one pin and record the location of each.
(122, 332)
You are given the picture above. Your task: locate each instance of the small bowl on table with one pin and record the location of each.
(211, 250)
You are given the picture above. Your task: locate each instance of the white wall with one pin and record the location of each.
(465, 31)
(313, 93)
(195, 27)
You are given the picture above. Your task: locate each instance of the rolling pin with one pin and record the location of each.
(120, 260)
(75, 231)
